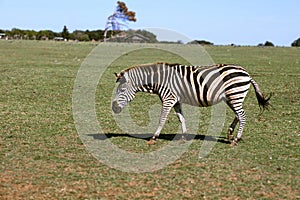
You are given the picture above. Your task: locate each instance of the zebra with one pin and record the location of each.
(200, 86)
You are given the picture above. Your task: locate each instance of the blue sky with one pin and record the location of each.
(219, 21)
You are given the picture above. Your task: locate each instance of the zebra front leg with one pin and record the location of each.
(178, 110)
(163, 116)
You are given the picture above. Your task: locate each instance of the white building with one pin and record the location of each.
(2, 35)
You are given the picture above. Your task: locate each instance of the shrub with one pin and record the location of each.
(269, 44)
(296, 43)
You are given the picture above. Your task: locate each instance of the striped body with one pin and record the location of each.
(194, 85)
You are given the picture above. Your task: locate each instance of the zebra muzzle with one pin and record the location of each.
(116, 108)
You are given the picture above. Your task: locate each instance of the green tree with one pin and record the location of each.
(45, 34)
(30, 34)
(16, 33)
(201, 42)
(94, 35)
(269, 44)
(148, 35)
(296, 43)
(65, 33)
(80, 35)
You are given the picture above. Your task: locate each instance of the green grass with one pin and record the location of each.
(42, 156)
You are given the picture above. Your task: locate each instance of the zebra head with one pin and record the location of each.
(124, 94)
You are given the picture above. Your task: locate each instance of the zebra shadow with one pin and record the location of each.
(168, 137)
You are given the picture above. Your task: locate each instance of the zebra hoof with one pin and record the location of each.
(230, 135)
(182, 140)
(234, 142)
(151, 142)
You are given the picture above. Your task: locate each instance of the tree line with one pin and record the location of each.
(94, 35)
(78, 35)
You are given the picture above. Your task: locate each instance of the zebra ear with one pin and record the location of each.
(118, 76)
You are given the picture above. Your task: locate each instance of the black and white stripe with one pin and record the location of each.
(194, 85)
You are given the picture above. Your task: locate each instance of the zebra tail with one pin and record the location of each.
(263, 101)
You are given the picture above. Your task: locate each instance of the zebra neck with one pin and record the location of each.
(150, 88)
(150, 78)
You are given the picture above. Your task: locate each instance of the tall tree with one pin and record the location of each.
(119, 18)
(65, 33)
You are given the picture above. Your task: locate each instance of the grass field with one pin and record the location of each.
(42, 156)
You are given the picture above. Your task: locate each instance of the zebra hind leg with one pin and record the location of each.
(231, 129)
(241, 115)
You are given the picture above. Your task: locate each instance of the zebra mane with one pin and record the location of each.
(150, 65)
(169, 65)
(121, 74)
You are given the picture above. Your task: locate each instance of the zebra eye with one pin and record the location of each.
(122, 89)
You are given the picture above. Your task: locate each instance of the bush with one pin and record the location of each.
(269, 44)
(296, 43)
(201, 42)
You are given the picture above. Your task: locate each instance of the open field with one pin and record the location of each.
(42, 156)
